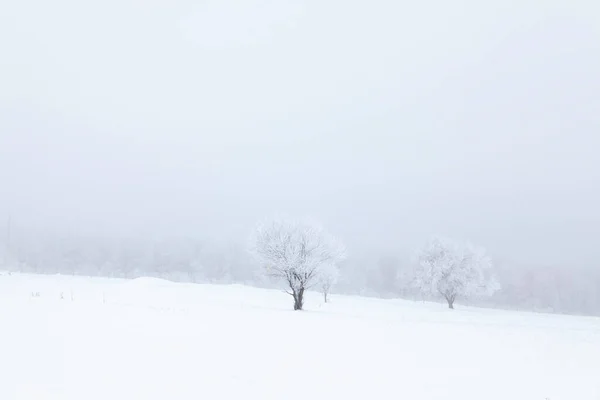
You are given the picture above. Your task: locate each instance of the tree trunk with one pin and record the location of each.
(298, 299)
(450, 300)
(325, 296)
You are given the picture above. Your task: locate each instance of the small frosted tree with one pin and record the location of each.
(295, 252)
(328, 277)
(453, 269)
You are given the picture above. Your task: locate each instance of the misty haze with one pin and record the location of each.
(414, 186)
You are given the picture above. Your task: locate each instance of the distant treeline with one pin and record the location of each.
(563, 289)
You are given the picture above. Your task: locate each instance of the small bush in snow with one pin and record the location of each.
(328, 277)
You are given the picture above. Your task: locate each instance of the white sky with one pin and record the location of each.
(388, 120)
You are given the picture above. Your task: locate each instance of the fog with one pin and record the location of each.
(387, 121)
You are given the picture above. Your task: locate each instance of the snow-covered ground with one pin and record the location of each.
(93, 338)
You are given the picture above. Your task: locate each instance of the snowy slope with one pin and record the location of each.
(152, 339)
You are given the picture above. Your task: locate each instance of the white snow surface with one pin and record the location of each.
(94, 338)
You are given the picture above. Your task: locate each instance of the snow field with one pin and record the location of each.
(152, 339)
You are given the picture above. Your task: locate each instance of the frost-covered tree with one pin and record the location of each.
(295, 252)
(328, 276)
(452, 269)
